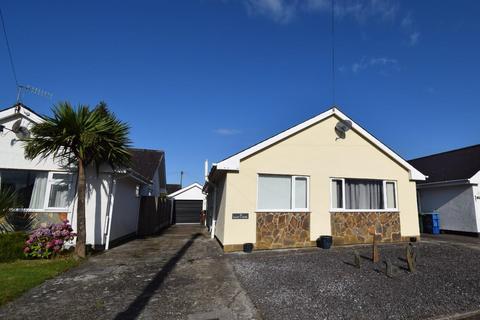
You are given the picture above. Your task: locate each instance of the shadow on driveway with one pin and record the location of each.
(136, 307)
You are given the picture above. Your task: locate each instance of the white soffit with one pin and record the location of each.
(10, 112)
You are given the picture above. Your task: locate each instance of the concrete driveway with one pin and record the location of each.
(181, 274)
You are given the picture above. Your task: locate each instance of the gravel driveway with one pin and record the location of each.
(324, 284)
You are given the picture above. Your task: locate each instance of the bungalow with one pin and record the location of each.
(46, 188)
(325, 176)
(452, 188)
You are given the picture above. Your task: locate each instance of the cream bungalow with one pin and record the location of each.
(325, 176)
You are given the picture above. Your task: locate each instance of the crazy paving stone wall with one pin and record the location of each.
(282, 230)
(359, 227)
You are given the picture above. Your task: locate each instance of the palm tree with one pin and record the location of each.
(8, 199)
(82, 137)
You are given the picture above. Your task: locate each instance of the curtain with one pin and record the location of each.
(58, 196)
(337, 201)
(38, 193)
(274, 192)
(363, 194)
(300, 193)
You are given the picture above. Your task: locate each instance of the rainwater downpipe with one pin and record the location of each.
(110, 213)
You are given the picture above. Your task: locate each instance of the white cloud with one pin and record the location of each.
(226, 131)
(414, 38)
(278, 10)
(383, 64)
(284, 11)
(407, 21)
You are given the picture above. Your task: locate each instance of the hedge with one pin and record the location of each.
(11, 246)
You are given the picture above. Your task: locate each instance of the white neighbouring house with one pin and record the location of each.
(452, 188)
(47, 189)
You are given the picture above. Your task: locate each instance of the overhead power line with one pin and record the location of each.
(333, 51)
(12, 65)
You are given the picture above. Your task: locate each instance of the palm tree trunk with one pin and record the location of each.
(81, 232)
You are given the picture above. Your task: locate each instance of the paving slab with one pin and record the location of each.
(180, 274)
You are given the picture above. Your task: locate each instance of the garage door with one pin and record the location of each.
(188, 211)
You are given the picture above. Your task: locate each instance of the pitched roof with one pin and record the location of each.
(193, 185)
(146, 161)
(21, 109)
(450, 165)
(233, 162)
(173, 187)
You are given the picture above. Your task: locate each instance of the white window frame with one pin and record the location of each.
(51, 181)
(385, 194)
(384, 182)
(292, 193)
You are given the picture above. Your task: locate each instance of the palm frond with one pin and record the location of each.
(8, 200)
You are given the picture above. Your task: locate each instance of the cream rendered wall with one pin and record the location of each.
(221, 201)
(315, 152)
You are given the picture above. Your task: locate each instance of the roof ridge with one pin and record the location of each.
(145, 149)
(445, 152)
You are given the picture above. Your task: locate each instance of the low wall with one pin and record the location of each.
(277, 230)
(359, 227)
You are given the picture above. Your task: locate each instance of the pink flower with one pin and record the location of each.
(26, 249)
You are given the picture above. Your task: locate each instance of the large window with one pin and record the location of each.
(363, 194)
(29, 186)
(38, 189)
(282, 193)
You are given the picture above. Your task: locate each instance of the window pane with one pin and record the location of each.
(300, 193)
(22, 182)
(391, 201)
(58, 196)
(337, 194)
(38, 193)
(274, 192)
(363, 194)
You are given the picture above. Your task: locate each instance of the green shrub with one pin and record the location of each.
(11, 246)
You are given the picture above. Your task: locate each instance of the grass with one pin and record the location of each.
(18, 276)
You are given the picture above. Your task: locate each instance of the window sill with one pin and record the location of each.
(283, 211)
(364, 210)
(53, 210)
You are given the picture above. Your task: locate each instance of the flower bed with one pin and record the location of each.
(46, 242)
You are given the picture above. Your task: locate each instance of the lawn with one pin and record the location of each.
(19, 276)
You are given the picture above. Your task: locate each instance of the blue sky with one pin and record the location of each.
(204, 79)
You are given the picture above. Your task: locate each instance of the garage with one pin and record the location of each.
(187, 204)
(187, 211)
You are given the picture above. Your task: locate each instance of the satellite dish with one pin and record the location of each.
(342, 127)
(20, 131)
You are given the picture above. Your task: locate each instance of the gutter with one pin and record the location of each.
(447, 183)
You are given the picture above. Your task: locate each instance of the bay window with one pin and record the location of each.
(282, 193)
(363, 194)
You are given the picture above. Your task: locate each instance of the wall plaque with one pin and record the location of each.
(239, 215)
